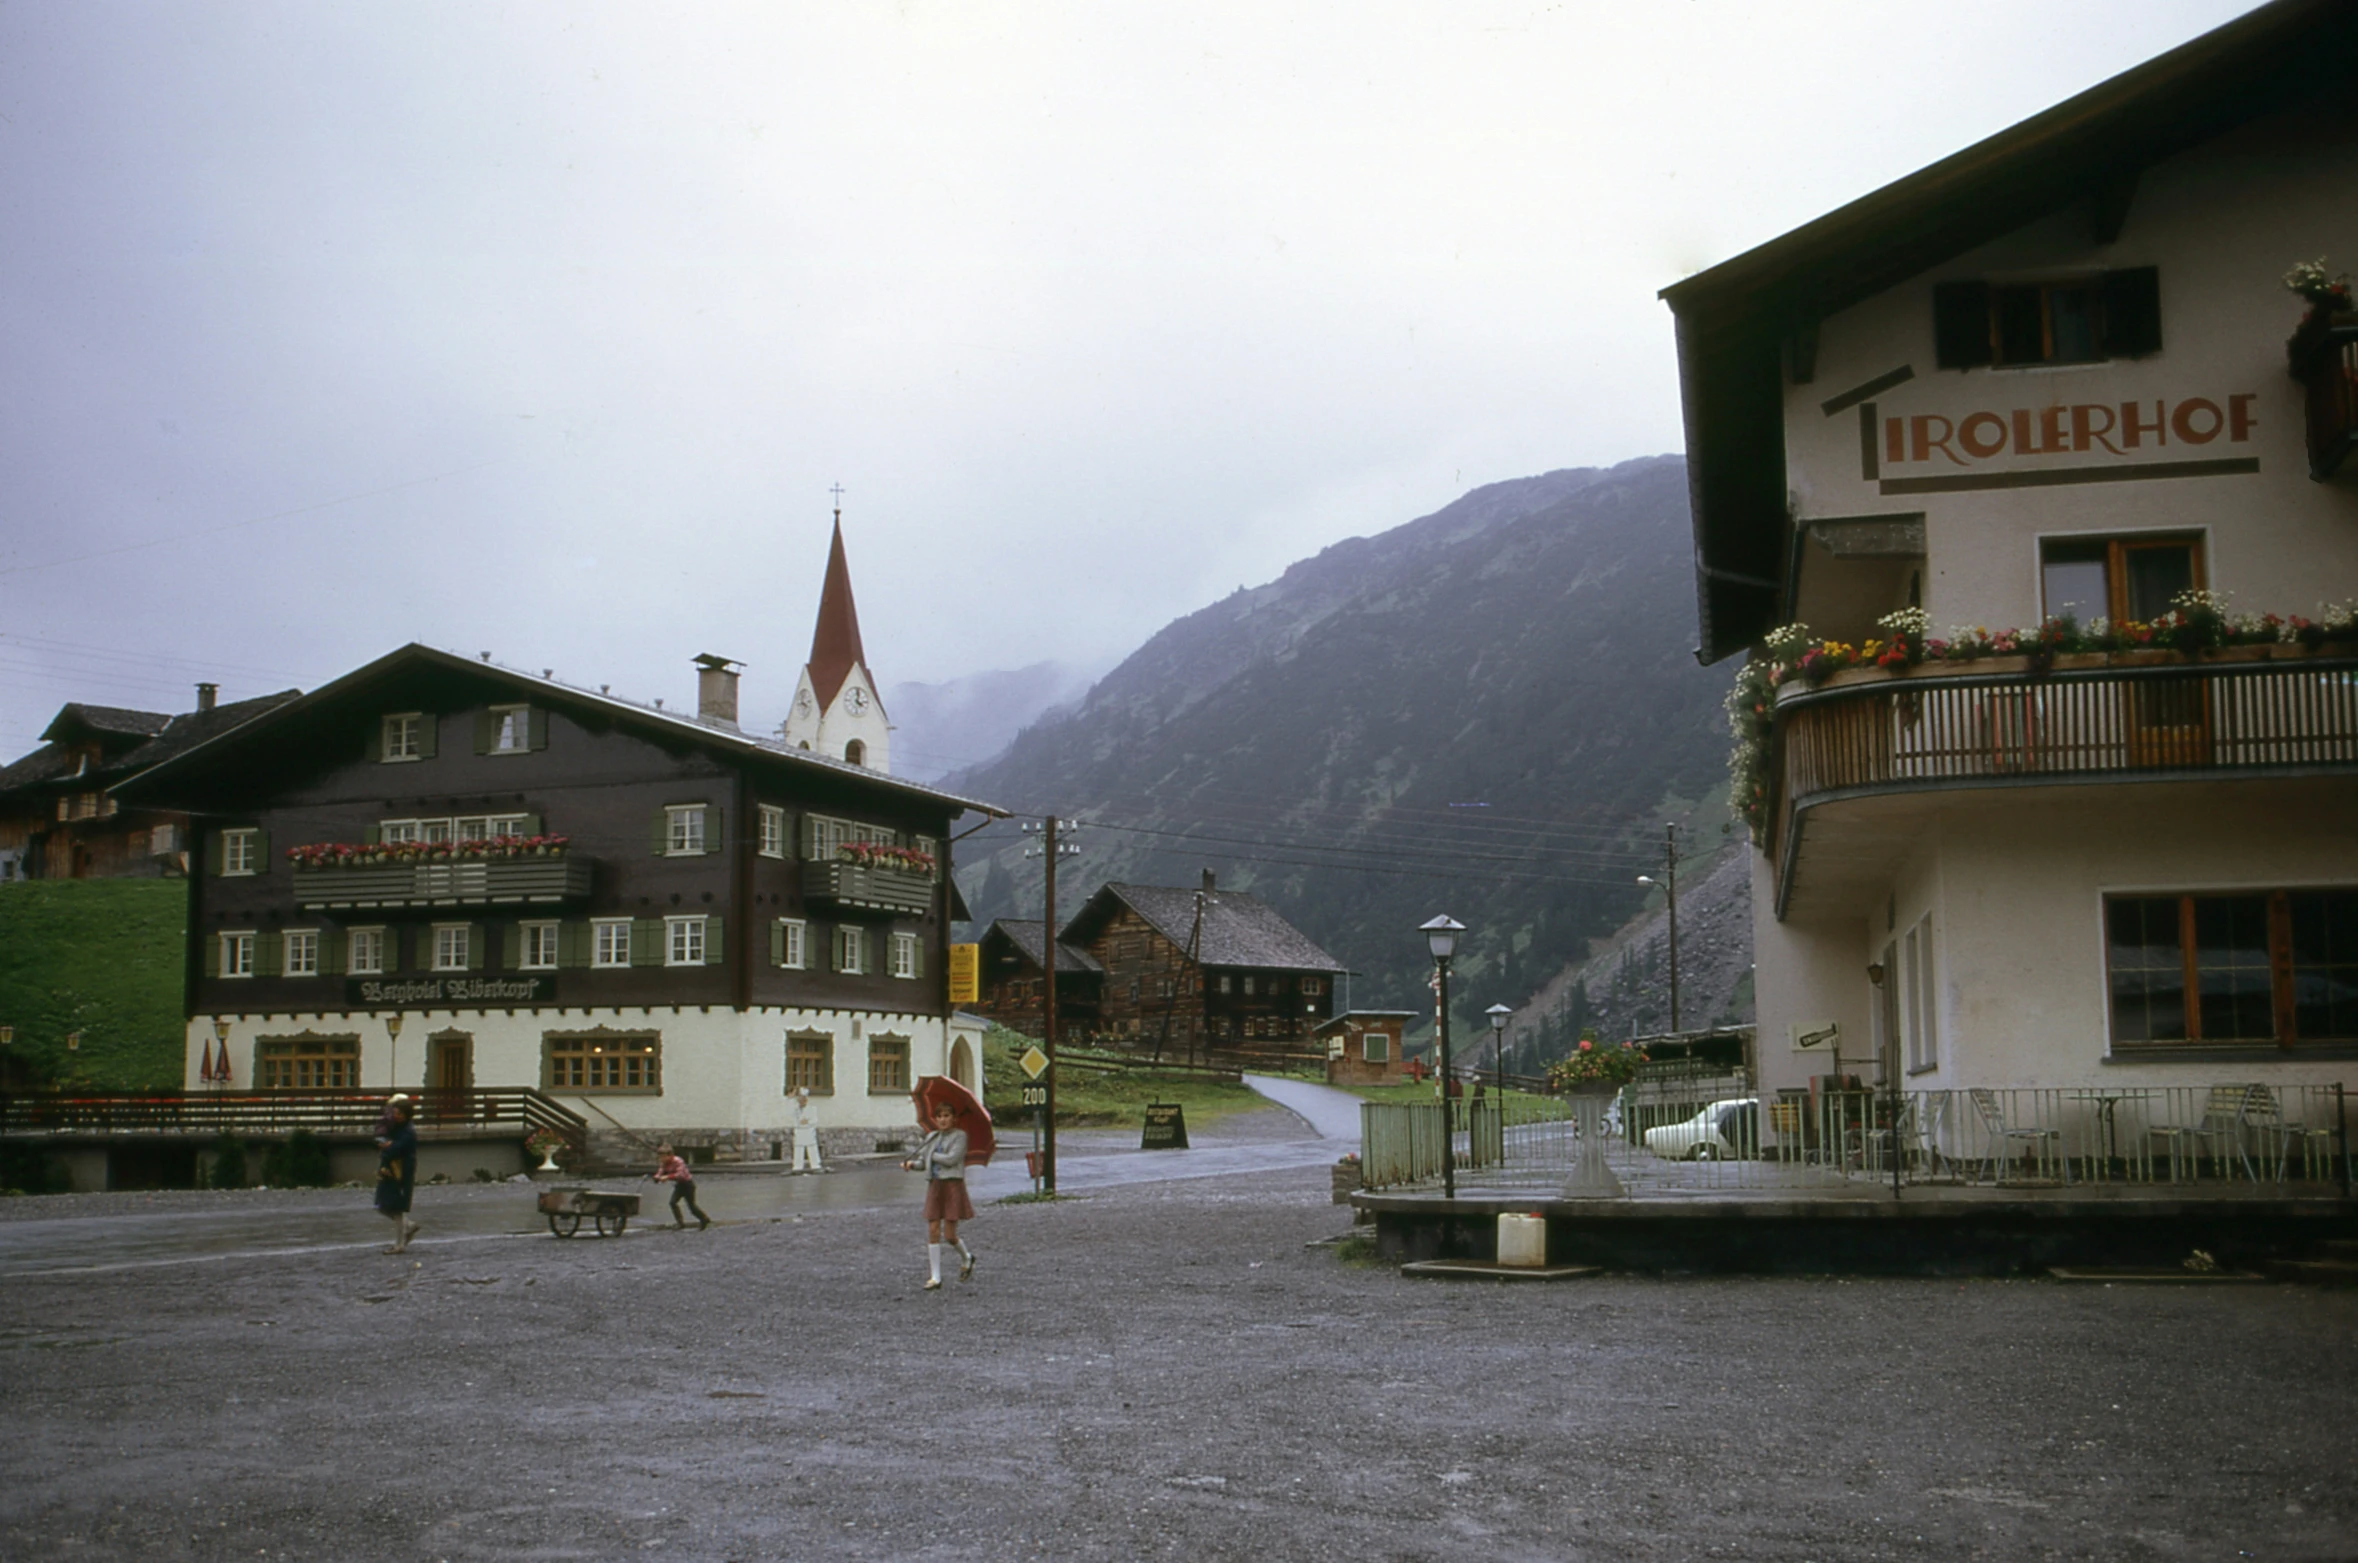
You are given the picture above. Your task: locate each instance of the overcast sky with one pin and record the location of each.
(546, 329)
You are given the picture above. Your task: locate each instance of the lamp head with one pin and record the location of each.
(1441, 935)
(393, 1026)
(221, 1030)
(1875, 974)
(1498, 1014)
(1646, 879)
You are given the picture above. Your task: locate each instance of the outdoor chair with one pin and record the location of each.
(2317, 1142)
(1923, 1124)
(2225, 1115)
(2043, 1143)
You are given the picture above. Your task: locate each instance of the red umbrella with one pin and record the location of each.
(205, 1070)
(981, 1141)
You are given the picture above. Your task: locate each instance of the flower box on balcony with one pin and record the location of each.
(2323, 356)
(876, 889)
(450, 881)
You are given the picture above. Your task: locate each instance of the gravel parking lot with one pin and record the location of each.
(1155, 1370)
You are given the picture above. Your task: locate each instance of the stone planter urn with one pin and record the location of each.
(1591, 1178)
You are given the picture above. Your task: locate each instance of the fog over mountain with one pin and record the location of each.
(960, 723)
(1490, 711)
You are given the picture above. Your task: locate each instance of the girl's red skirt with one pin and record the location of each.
(945, 1200)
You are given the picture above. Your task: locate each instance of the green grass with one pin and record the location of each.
(1424, 1092)
(1101, 1098)
(102, 957)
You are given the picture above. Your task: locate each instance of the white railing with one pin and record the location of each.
(1660, 1143)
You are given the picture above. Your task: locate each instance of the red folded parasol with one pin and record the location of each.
(981, 1141)
(205, 1070)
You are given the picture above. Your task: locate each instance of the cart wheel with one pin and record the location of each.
(611, 1223)
(565, 1225)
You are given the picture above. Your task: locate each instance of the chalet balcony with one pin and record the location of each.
(867, 887)
(2327, 364)
(2093, 719)
(458, 882)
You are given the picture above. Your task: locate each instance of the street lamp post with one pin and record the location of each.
(1498, 1014)
(393, 1052)
(1441, 937)
(221, 1035)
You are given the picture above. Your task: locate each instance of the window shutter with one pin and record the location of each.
(1961, 324)
(392, 951)
(778, 941)
(269, 951)
(646, 941)
(715, 952)
(810, 838)
(531, 825)
(827, 1066)
(2132, 312)
(660, 840)
(372, 835)
(712, 827)
(213, 955)
(917, 955)
(331, 952)
(376, 741)
(215, 853)
(511, 947)
(429, 730)
(536, 728)
(573, 945)
(261, 851)
(485, 725)
(474, 946)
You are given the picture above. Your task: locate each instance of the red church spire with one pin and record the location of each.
(835, 645)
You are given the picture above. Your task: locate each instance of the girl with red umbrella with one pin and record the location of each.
(942, 1157)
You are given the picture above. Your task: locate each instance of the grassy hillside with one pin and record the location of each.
(101, 956)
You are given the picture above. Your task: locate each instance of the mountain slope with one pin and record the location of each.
(1487, 712)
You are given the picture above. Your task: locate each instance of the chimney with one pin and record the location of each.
(716, 689)
(206, 695)
(1211, 881)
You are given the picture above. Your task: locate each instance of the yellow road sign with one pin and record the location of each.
(1035, 1062)
(965, 973)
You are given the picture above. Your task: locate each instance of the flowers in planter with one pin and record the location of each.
(2196, 622)
(2327, 292)
(386, 854)
(1592, 1062)
(880, 854)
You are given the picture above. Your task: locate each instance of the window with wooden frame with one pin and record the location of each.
(405, 735)
(241, 852)
(2123, 579)
(1375, 1047)
(614, 1063)
(237, 955)
(537, 946)
(511, 729)
(301, 955)
(888, 1065)
(2085, 318)
(810, 1063)
(773, 829)
(790, 943)
(851, 950)
(905, 956)
(364, 952)
(2252, 968)
(307, 1063)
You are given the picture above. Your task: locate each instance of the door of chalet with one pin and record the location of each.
(450, 1074)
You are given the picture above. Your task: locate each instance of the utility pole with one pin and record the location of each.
(1049, 853)
(1670, 894)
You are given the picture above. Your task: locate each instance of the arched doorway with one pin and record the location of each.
(856, 752)
(962, 1064)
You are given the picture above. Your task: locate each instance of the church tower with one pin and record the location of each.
(837, 710)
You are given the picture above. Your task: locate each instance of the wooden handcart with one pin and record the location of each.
(608, 1212)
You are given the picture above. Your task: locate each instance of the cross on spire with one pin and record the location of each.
(837, 491)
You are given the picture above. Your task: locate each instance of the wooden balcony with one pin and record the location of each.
(2094, 719)
(2327, 364)
(857, 886)
(457, 882)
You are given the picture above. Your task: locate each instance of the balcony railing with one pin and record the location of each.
(2290, 714)
(272, 1114)
(2329, 369)
(861, 886)
(490, 880)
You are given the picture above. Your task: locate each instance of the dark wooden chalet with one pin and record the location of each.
(1013, 979)
(58, 820)
(1206, 966)
(584, 895)
(1363, 1046)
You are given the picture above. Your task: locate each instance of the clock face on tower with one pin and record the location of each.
(802, 703)
(855, 700)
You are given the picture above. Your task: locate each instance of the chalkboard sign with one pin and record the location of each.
(1166, 1127)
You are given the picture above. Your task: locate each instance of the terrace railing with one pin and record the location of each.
(2159, 1138)
(271, 1114)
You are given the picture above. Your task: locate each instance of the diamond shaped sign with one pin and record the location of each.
(1034, 1062)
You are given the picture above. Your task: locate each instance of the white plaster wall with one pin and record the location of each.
(2015, 883)
(2222, 223)
(721, 1069)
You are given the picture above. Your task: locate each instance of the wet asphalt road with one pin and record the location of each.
(1151, 1369)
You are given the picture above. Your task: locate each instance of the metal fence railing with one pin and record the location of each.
(1662, 1140)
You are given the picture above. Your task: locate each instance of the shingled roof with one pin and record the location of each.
(153, 737)
(1029, 934)
(1238, 929)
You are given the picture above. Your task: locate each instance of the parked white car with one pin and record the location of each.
(1721, 1130)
